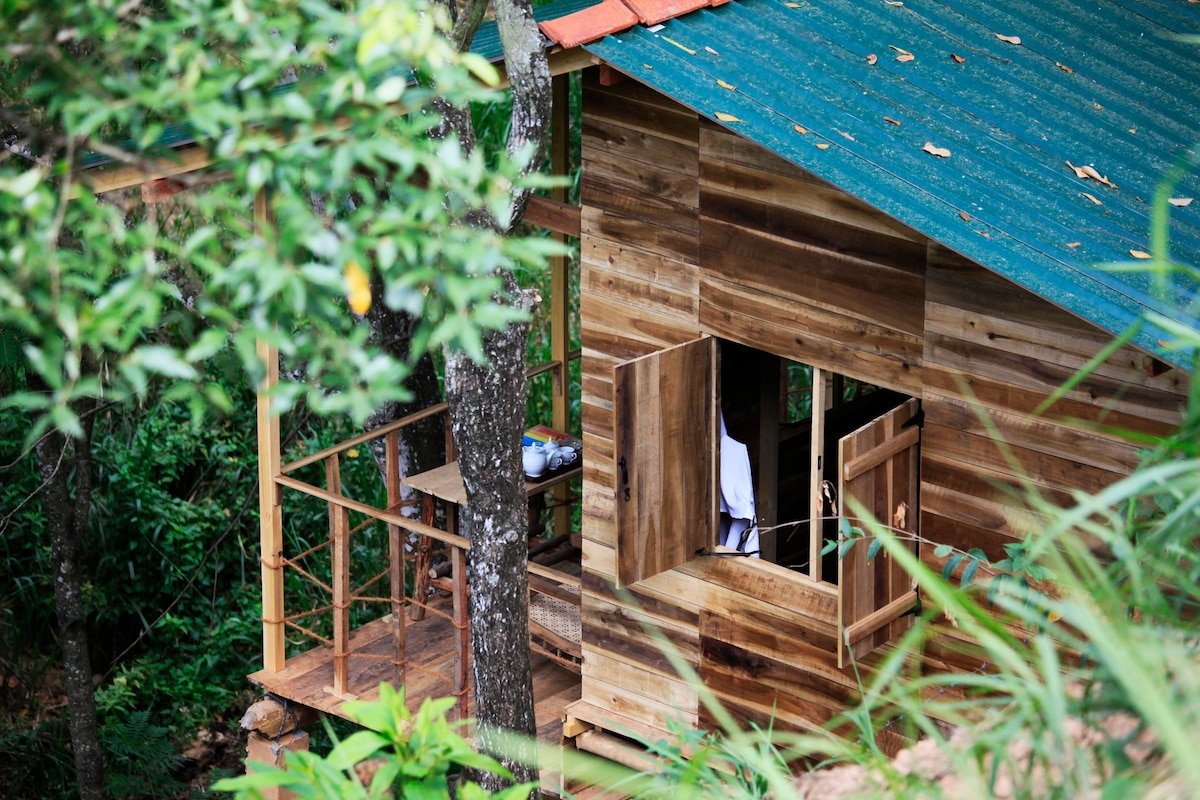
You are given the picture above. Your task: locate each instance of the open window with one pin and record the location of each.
(814, 439)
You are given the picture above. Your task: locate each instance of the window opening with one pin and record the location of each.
(790, 417)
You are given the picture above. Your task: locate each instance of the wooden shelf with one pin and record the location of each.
(446, 483)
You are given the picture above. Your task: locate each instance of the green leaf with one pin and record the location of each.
(942, 550)
(951, 565)
(873, 549)
(355, 748)
(969, 572)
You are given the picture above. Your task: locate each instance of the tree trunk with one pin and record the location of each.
(61, 461)
(487, 405)
(487, 412)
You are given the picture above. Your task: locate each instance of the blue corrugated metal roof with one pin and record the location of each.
(1102, 83)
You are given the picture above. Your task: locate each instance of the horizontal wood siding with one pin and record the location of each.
(639, 250)
(792, 266)
(993, 352)
(689, 229)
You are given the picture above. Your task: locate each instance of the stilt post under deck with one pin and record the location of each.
(270, 504)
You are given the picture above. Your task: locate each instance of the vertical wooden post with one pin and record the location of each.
(339, 534)
(462, 639)
(767, 497)
(270, 504)
(396, 554)
(421, 564)
(560, 327)
(816, 471)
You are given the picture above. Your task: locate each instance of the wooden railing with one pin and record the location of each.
(341, 589)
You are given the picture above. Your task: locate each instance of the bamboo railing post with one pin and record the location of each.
(462, 639)
(395, 553)
(270, 503)
(339, 534)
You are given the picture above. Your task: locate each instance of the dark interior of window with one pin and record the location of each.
(767, 405)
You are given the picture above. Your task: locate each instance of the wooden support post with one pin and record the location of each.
(263, 750)
(462, 639)
(560, 327)
(416, 611)
(339, 535)
(270, 504)
(396, 555)
(816, 471)
(767, 497)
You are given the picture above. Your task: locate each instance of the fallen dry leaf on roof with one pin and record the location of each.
(725, 85)
(1140, 254)
(872, 58)
(1064, 68)
(792, 5)
(1009, 39)
(848, 136)
(905, 58)
(964, 216)
(900, 50)
(822, 146)
(957, 58)
(893, 121)
(1088, 171)
(1073, 245)
(940, 152)
(898, 3)
(721, 115)
(684, 48)
(710, 50)
(1180, 201)
(1097, 106)
(1092, 198)
(800, 129)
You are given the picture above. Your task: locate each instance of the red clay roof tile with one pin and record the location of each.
(652, 12)
(589, 24)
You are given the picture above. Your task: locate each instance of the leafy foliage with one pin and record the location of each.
(417, 755)
(89, 281)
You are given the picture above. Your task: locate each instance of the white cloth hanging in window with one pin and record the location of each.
(739, 524)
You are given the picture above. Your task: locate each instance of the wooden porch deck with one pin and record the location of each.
(307, 679)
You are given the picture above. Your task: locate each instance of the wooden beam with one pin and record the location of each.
(560, 320)
(396, 538)
(462, 641)
(194, 156)
(339, 541)
(553, 215)
(767, 494)
(816, 472)
(270, 510)
(363, 438)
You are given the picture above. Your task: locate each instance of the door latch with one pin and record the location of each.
(624, 476)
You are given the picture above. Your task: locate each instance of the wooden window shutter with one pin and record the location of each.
(878, 465)
(664, 408)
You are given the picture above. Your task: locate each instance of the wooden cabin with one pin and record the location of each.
(856, 245)
(769, 246)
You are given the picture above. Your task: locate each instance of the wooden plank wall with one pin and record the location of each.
(640, 250)
(688, 229)
(993, 352)
(795, 267)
